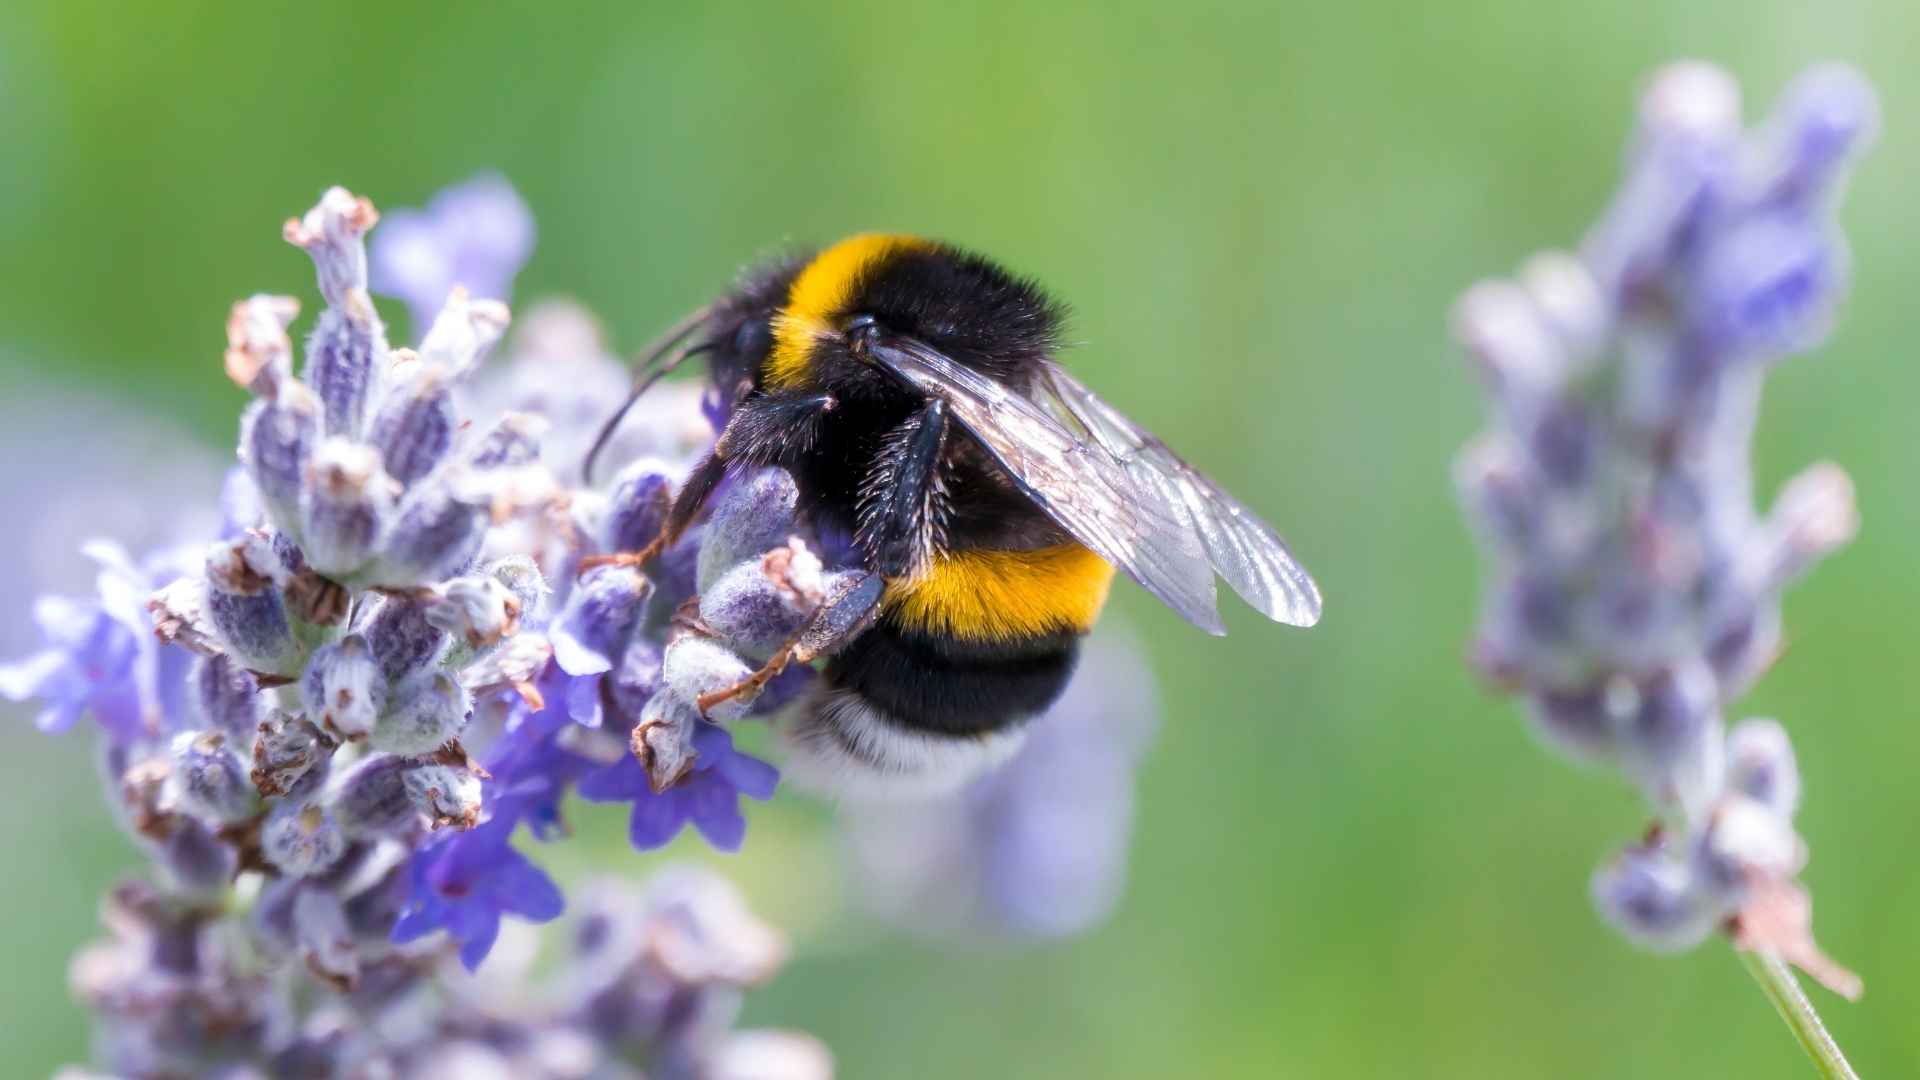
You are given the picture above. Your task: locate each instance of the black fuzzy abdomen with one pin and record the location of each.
(947, 686)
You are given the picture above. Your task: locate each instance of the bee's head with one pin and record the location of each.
(873, 288)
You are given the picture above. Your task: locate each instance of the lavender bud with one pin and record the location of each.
(1767, 286)
(259, 355)
(1653, 899)
(663, 739)
(1671, 739)
(1683, 150)
(1691, 100)
(642, 493)
(1565, 294)
(277, 436)
(415, 425)
(320, 927)
(332, 234)
(600, 615)
(754, 515)
(345, 354)
(245, 607)
(301, 840)
(348, 505)
(430, 714)
(1502, 497)
(1760, 766)
(478, 610)
(195, 863)
(286, 752)
(228, 696)
(697, 665)
(1579, 722)
(512, 443)
(1824, 117)
(344, 688)
(1519, 354)
(1814, 516)
(209, 779)
(759, 604)
(403, 638)
(372, 798)
(1744, 841)
(440, 528)
(463, 332)
(448, 794)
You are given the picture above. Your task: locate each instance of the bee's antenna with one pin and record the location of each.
(648, 370)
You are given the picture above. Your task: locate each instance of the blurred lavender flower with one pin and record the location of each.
(1635, 591)
(476, 235)
(1038, 848)
(328, 727)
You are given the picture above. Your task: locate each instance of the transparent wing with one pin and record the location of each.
(1240, 547)
(1118, 489)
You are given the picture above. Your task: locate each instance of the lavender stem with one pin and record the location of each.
(1778, 983)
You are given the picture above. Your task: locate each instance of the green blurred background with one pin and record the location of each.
(1351, 861)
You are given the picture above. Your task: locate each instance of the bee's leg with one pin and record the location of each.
(903, 498)
(845, 612)
(686, 506)
(764, 430)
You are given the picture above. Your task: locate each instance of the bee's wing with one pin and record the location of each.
(1118, 489)
(1240, 547)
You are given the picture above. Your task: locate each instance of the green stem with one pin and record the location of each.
(1777, 980)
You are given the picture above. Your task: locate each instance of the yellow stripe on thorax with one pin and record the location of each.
(1003, 595)
(820, 293)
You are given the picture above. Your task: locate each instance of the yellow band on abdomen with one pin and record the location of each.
(1003, 595)
(818, 295)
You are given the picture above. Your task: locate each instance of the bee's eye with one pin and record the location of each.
(753, 339)
(861, 331)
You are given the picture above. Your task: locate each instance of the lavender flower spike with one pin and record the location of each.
(1634, 589)
(398, 685)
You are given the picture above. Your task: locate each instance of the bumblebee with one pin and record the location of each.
(911, 389)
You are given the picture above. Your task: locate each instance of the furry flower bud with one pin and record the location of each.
(477, 610)
(414, 428)
(277, 437)
(227, 696)
(1655, 900)
(448, 794)
(245, 606)
(754, 515)
(642, 494)
(332, 233)
(403, 638)
(760, 603)
(302, 839)
(347, 507)
(344, 688)
(430, 713)
(1760, 765)
(286, 753)
(438, 532)
(208, 778)
(593, 629)
(372, 798)
(696, 665)
(512, 443)
(259, 354)
(464, 332)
